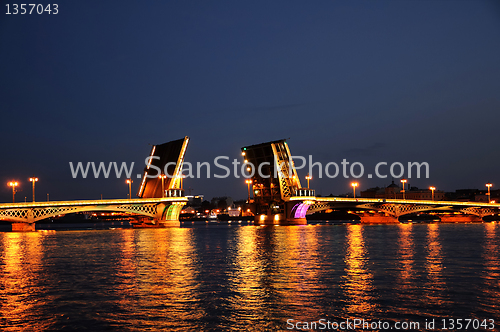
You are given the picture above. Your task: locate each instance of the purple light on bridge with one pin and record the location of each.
(300, 210)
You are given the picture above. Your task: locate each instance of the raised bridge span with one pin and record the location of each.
(280, 199)
(160, 197)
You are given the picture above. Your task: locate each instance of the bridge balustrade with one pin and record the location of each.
(174, 193)
(305, 192)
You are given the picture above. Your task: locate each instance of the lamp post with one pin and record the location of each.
(489, 185)
(308, 177)
(33, 180)
(403, 181)
(432, 189)
(248, 182)
(13, 184)
(354, 185)
(162, 177)
(129, 182)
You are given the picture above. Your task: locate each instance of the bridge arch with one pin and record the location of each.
(168, 211)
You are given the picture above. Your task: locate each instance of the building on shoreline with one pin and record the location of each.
(393, 191)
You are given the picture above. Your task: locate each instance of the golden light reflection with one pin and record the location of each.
(128, 264)
(405, 285)
(491, 274)
(359, 279)
(21, 255)
(436, 289)
(277, 265)
(298, 254)
(406, 251)
(247, 280)
(158, 271)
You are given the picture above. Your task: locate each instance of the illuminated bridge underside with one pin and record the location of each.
(398, 208)
(167, 209)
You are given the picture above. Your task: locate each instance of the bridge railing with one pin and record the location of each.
(305, 192)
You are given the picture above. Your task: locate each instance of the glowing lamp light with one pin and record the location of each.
(403, 181)
(354, 185)
(489, 185)
(432, 190)
(13, 184)
(33, 180)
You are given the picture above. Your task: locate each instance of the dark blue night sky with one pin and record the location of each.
(367, 81)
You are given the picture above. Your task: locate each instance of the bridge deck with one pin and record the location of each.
(404, 201)
(91, 202)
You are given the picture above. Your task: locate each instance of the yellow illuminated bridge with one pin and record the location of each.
(24, 215)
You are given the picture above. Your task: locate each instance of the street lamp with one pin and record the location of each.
(403, 181)
(489, 185)
(13, 184)
(163, 177)
(129, 182)
(432, 189)
(33, 180)
(354, 185)
(248, 182)
(308, 177)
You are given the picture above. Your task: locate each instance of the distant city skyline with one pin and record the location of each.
(365, 81)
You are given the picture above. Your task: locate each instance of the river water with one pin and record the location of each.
(237, 278)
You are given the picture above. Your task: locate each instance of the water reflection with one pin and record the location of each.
(406, 253)
(21, 293)
(277, 274)
(298, 254)
(158, 288)
(246, 278)
(491, 274)
(405, 287)
(358, 283)
(248, 301)
(435, 287)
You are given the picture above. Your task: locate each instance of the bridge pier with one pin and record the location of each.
(461, 218)
(377, 218)
(292, 213)
(23, 227)
(169, 223)
(277, 219)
